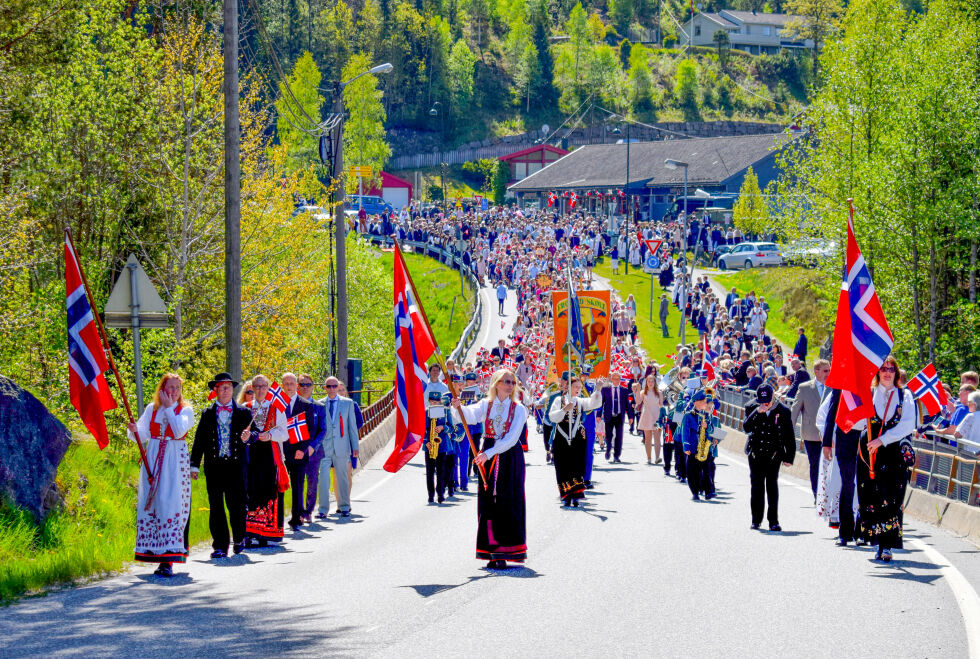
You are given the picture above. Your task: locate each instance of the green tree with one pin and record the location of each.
(815, 20)
(625, 47)
(640, 78)
(621, 13)
(526, 74)
(722, 42)
(545, 92)
(579, 37)
(686, 89)
(501, 178)
(365, 142)
(298, 109)
(462, 62)
(751, 213)
(333, 37)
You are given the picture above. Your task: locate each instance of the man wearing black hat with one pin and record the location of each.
(771, 441)
(218, 441)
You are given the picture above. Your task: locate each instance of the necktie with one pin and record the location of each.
(224, 408)
(615, 402)
(333, 407)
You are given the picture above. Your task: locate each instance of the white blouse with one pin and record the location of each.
(167, 418)
(477, 413)
(880, 397)
(557, 413)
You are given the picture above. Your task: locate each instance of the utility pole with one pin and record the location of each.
(233, 197)
(340, 226)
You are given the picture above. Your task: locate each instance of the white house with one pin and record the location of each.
(750, 31)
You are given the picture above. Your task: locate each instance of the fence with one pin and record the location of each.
(377, 412)
(949, 471)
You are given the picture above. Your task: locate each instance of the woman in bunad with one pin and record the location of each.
(881, 467)
(829, 481)
(569, 444)
(164, 506)
(501, 534)
(266, 476)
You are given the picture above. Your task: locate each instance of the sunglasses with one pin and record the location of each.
(332, 386)
(306, 384)
(507, 382)
(250, 392)
(887, 369)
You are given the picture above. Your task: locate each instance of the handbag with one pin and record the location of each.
(908, 452)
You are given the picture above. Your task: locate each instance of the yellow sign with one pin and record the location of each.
(361, 171)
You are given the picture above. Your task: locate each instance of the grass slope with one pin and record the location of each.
(94, 533)
(637, 283)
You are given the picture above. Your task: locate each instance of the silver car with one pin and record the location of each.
(751, 255)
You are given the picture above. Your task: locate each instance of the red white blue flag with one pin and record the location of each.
(862, 339)
(552, 198)
(414, 344)
(280, 400)
(296, 427)
(708, 356)
(87, 386)
(928, 390)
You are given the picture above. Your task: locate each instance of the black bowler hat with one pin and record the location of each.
(221, 377)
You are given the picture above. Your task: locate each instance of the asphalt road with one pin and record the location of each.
(641, 570)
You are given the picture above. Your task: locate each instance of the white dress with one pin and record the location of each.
(163, 509)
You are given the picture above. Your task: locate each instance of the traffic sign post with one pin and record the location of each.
(361, 172)
(135, 303)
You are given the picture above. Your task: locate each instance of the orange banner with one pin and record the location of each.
(596, 327)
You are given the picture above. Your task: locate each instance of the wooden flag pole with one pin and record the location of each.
(108, 352)
(442, 363)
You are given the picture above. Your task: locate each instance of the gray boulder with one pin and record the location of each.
(32, 444)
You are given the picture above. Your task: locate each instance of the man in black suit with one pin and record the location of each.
(798, 377)
(218, 440)
(844, 447)
(741, 373)
(771, 442)
(615, 401)
(501, 351)
(298, 453)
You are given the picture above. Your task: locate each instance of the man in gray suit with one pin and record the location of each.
(340, 444)
(809, 395)
(664, 309)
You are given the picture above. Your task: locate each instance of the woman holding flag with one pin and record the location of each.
(881, 468)
(501, 532)
(266, 478)
(163, 509)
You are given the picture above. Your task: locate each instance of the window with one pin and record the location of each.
(767, 31)
(520, 170)
(697, 30)
(748, 29)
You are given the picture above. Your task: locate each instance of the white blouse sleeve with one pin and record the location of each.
(592, 403)
(278, 432)
(905, 426)
(556, 413)
(180, 423)
(822, 414)
(143, 424)
(475, 412)
(513, 434)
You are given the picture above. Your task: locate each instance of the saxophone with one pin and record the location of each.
(434, 440)
(704, 440)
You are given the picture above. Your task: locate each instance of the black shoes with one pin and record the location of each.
(695, 498)
(755, 527)
(346, 513)
(321, 515)
(617, 460)
(574, 503)
(886, 555)
(238, 547)
(841, 542)
(775, 528)
(497, 564)
(709, 497)
(164, 570)
(217, 553)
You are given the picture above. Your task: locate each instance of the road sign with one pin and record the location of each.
(653, 245)
(119, 309)
(363, 171)
(651, 264)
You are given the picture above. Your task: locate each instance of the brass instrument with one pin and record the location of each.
(704, 439)
(434, 440)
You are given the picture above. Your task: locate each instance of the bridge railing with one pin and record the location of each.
(377, 412)
(951, 471)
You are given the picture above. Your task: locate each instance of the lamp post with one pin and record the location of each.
(436, 109)
(626, 194)
(340, 222)
(670, 163)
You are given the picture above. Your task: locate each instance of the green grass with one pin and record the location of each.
(651, 338)
(793, 295)
(93, 534)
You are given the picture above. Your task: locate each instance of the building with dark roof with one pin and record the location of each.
(716, 165)
(754, 32)
(527, 161)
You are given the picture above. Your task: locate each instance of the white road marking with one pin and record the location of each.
(376, 485)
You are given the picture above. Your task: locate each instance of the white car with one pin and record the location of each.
(751, 255)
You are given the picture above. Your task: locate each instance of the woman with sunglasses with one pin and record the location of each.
(880, 466)
(501, 532)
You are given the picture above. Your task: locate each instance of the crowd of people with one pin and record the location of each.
(480, 411)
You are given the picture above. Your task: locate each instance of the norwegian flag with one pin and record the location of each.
(552, 198)
(709, 354)
(296, 426)
(928, 390)
(414, 345)
(573, 199)
(862, 339)
(278, 397)
(87, 386)
(620, 193)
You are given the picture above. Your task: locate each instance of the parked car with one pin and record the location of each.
(809, 251)
(751, 255)
(720, 251)
(373, 205)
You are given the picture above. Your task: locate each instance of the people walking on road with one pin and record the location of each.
(163, 505)
(437, 448)
(615, 404)
(771, 442)
(806, 404)
(300, 453)
(696, 435)
(840, 447)
(501, 298)
(220, 441)
(266, 478)
(663, 313)
(501, 527)
(650, 401)
(569, 445)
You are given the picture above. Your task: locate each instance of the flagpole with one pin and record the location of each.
(108, 352)
(871, 451)
(442, 361)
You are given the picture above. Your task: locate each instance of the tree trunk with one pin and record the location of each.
(916, 302)
(934, 303)
(973, 271)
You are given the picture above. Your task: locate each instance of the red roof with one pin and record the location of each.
(390, 181)
(536, 147)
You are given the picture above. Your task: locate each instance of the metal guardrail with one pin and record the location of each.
(949, 471)
(376, 413)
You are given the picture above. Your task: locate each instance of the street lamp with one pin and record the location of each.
(435, 110)
(670, 163)
(626, 193)
(340, 222)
